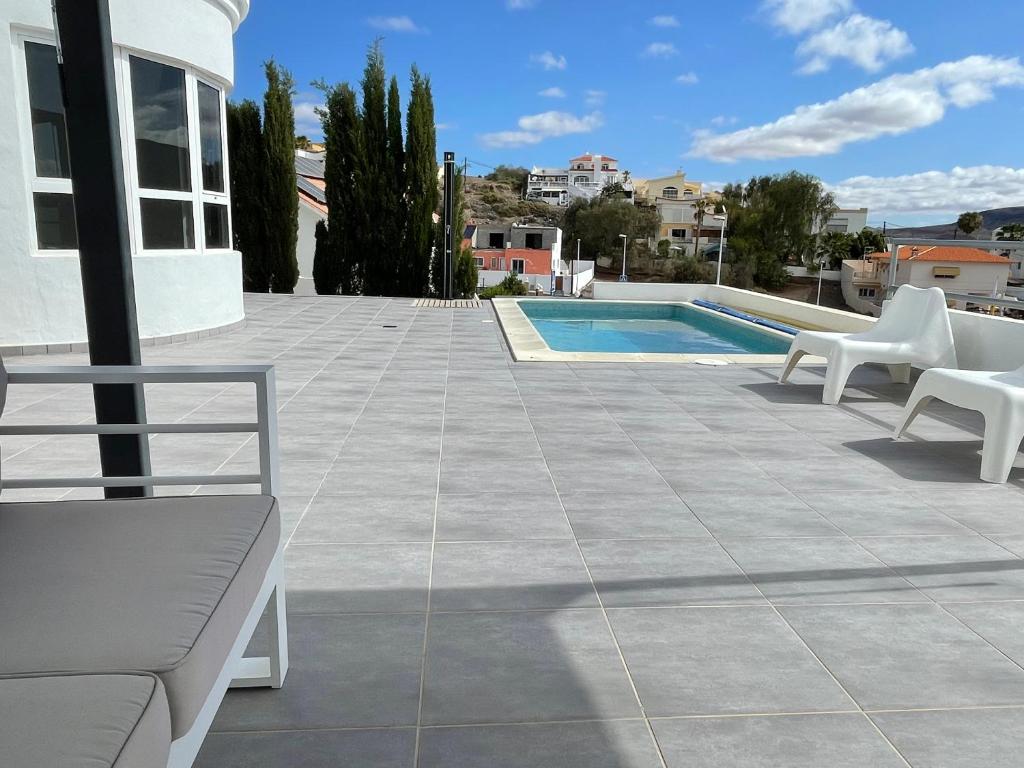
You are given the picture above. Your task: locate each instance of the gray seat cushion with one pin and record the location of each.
(158, 585)
(85, 721)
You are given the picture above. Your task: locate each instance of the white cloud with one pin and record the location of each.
(395, 24)
(799, 16)
(660, 51)
(891, 106)
(720, 120)
(665, 21)
(866, 42)
(554, 92)
(307, 121)
(548, 60)
(594, 97)
(976, 188)
(445, 126)
(533, 129)
(688, 78)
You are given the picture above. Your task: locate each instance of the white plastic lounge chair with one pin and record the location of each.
(998, 396)
(913, 330)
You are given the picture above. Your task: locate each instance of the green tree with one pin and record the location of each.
(396, 201)
(664, 248)
(325, 267)
(375, 178)
(422, 192)
(246, 160)
(833, 248)
(701, 207)
(1011, 232)
(865, 242)
(514, 176)
(968, 223)
(346, 214)
(598, 222)
(281, 201)
(303, 142)
(467, 274)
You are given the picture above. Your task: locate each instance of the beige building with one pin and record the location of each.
(952, 268)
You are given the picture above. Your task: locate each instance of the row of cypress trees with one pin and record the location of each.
(381, 191)
(264, 202)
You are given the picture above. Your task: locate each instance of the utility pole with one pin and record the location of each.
(448, 223)
(86, 60)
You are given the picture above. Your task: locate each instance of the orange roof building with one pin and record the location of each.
(945, 253)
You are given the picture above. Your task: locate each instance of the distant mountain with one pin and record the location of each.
(992, 220)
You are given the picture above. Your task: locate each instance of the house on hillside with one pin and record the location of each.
(953, 268)
(309, 182)
(532, 252)
(585, 177)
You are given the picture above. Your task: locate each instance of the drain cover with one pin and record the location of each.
(389, 326)
(710, 361)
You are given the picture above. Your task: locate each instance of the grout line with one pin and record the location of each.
(433, 545)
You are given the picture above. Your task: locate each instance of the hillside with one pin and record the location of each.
(993, 219)
(492, 202)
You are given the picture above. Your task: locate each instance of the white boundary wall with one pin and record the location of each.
(982, 342)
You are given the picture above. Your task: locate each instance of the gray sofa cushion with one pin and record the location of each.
(85, 721)
(159, 585)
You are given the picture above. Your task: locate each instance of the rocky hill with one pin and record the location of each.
(495, 202)
(993, 219)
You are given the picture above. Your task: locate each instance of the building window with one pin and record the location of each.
(211, 144)
(519, 266)
(479, 261)
(496, 240)
(52, 202)
(534, 240)
(866, 293)
(838, 227)
(678, 234)
(498, 263)
(670, 193)
(215, 226)
(581, 180)
(161, 126)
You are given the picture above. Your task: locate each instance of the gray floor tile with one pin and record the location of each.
(501, 516)
(881, 513)
(707, 661)
(495, 476)
(972, 738)
(614, 476)
(523, 667)
(787, 741)
(607, 744)
(379, 748)
(346, 671)
(819, 570)
(833, 473)
(509, 575)
(627, 516)
(950, 568)
(355, 518)
(404, 478)
(1002, 624)
(907, 656)
(357, 578)
(772, 512)
(734, 476)
(637, 573)
(988, 509)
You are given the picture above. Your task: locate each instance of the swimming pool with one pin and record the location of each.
(645, 327)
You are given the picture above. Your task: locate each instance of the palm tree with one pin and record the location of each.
(700, 210)
(968, 222)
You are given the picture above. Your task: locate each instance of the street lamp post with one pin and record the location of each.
(724, 218)
(622, 277)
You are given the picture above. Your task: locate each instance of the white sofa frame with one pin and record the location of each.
(239, 671)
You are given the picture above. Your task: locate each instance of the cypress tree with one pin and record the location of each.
(374, 182)
(396, 202)
(281, 211)
(422, 192)
(346, 215)
(325, 270)
(245, 154)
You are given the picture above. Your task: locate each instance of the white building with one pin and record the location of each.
(850, 220)
(173, 64)
(952, 268)
(585, 177)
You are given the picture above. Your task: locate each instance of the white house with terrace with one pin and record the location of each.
(173, 64)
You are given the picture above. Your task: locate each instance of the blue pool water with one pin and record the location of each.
(596, 326)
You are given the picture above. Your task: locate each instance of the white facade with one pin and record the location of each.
(850, 220)
(173, 64)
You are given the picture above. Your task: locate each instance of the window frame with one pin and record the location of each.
(198, 196)
(512, 266)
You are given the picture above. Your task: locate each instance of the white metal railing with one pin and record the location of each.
(265, 426)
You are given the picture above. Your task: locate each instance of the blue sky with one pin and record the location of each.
(920, 103)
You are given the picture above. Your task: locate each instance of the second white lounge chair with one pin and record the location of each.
(999, 396)
(913, 330)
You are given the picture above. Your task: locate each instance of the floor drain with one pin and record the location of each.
(389, 326)
(710, 361)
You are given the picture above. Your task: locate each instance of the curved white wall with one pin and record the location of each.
(40, 293)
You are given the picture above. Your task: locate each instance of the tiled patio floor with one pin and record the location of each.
(602, 566)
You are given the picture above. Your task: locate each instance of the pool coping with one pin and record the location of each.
(528, 346)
